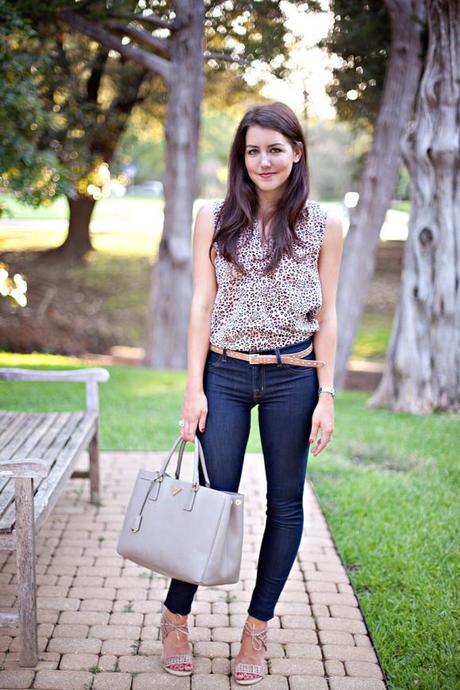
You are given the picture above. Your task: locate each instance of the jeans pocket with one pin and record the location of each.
(214, 359)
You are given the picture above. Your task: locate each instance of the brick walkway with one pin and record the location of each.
(99, 617)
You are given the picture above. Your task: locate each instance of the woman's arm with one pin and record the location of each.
(194, 409)
(325, 340)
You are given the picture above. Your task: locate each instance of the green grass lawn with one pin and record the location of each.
(399, 205)
(127, 226)
(388, 486)
(373, 337)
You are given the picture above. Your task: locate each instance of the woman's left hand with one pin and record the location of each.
(323, 419)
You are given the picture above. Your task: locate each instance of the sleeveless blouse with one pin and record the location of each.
(259, 312)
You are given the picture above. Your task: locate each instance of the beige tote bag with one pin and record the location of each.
(184, 530)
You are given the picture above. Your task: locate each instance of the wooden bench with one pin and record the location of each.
(37, 455)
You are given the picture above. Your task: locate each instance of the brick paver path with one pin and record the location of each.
(99, 616)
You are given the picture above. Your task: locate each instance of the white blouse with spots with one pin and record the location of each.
(257, 312)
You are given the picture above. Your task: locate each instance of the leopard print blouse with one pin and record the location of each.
(257, 312)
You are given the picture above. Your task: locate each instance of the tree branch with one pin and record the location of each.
(150, 19)
(160, 45)
(94, 80)
(153, 63)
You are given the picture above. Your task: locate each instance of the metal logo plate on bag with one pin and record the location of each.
(176, 490)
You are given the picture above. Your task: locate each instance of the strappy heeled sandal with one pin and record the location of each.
(178, 664)
(257, 671)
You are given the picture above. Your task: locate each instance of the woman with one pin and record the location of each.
(265, 272)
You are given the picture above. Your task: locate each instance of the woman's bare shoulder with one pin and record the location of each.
(206, 220)
(208, 209)
(333, 235)
(334, 222)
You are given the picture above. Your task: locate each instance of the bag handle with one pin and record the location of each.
(202, 460)
(198, 457)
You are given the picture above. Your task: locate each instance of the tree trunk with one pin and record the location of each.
(78, 241)
(171, 286)
(422, 371)
(380, 173)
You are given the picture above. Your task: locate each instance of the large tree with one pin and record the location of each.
(236, 34)
(85, 98)
(380, 170)
(422, 371)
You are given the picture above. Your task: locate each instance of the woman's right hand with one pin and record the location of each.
(194, 413)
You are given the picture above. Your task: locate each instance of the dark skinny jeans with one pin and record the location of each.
(286, 396)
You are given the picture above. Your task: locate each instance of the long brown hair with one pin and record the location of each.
(241, 203)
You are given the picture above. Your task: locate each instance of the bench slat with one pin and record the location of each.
(10, 433)
(47, 452)
(14, 428)
(71, 440)
(45, 435)
(27, 436)
(38, 451)
(53, 484)
(5, 418)
(69, 423)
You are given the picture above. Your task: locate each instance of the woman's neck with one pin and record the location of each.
(269, 200)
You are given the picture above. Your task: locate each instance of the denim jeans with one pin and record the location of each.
(286, 395)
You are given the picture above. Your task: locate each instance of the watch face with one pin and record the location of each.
(327, 389)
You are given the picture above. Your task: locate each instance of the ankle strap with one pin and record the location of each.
(258, 638)
(167, 626)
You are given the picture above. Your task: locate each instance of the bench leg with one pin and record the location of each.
(25, 559)
(94, 479)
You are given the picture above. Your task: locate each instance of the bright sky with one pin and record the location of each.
(311, 67)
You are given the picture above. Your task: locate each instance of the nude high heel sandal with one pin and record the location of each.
(257, 671)
(178, 664)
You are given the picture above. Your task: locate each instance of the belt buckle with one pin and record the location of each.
(254, 358)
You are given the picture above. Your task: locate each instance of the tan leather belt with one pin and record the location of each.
(256, 358)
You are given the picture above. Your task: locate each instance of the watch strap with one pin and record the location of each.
(327, 389)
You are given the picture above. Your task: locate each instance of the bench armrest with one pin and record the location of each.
(92, 374)
(24, 468)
